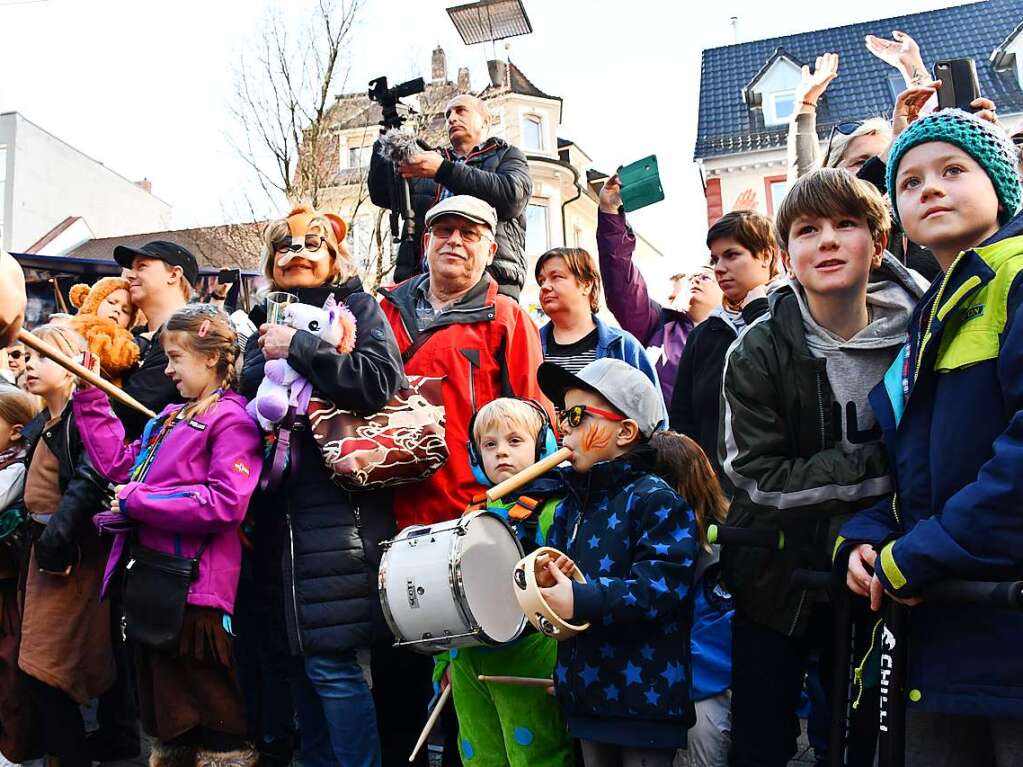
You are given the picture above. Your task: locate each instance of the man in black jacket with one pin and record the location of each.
(489, 169)
(160, 277)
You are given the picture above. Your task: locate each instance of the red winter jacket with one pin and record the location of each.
(486, 347)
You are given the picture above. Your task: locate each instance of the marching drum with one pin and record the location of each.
(449, 585)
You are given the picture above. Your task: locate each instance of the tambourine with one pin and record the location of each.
(535, 607)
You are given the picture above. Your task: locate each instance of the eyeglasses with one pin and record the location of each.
(312, 244)
(846, 129)
(573, 416)
(14, 354)
(467, 235)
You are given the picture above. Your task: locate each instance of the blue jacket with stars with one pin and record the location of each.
(626, 680)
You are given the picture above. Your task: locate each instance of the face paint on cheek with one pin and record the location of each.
(596, 438)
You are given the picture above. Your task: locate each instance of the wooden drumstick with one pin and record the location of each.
(520, 681)
(528, 474)
(37, 344)
(431, 721)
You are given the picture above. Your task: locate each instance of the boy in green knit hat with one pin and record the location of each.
(502, 724)
(951, 409)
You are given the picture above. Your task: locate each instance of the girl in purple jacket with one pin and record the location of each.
(183, 489)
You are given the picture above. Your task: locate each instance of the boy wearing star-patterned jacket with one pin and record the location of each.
(624, 683)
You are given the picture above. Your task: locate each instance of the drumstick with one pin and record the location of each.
(431, 721)
(39, 345)
(520, 681)
(528, 474)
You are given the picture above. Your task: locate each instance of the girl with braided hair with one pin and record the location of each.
(183, 489)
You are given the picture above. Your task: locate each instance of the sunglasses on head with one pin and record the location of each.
(573, 416)
(846, 129)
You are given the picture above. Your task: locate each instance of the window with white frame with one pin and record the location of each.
(358, 156)
(778, 107)
(532, 133)
(537, 229)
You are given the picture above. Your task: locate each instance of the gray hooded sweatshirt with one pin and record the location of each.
(856, 365)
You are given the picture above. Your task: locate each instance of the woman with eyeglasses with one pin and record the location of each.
(308, 601)
(662, 329)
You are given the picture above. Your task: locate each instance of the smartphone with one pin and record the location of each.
(229, 277)
(641, 184)
(959, 84)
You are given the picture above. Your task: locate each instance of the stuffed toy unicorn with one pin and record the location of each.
(282, 386)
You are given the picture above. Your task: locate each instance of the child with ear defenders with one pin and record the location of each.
(624, 683)
(505, 724)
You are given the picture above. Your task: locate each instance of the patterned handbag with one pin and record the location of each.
(402, 443)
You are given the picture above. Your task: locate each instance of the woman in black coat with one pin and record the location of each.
(315, 546)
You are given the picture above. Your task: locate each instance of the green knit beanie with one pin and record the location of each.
(985, 142)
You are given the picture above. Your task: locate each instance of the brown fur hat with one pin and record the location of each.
(87, 298)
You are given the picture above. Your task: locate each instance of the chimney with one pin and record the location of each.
(439, 65)
(145, 184)
(734, 21)
(463, 80)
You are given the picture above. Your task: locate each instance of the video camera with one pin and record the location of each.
(389, 99)
(394, 115)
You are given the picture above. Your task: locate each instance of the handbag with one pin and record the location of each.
(404, 442)
(156, 583)
(155, 595)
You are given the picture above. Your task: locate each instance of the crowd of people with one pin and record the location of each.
(842, 380)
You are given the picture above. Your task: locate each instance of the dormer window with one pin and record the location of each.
(773, 89)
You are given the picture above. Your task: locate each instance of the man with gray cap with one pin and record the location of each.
(624, 684)
(450, 322)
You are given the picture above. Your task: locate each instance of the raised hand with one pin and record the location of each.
(901, 52)
(909, 103)
(610, 195)
(747, 200)
(813, 84)
(986, 110)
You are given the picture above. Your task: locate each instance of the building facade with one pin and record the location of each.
(43, 181)
(747, 90)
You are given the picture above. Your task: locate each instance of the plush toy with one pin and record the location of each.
(105, 316)
(282, 386)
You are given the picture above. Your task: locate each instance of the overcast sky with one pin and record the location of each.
(143, 85)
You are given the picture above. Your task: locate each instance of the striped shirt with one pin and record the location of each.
(575, 356)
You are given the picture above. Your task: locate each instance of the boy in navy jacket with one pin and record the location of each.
(951, 409)
(624, 683)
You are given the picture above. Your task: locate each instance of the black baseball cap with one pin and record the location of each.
(170, 253)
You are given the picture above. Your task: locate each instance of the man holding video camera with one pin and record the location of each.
(487, 168)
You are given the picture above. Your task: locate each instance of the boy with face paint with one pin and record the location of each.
(623, 684)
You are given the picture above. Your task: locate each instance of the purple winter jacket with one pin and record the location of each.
(629, 301)
(198, 485)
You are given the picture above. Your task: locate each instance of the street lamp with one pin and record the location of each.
(489, 20)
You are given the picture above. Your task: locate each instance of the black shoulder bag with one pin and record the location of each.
(156, 583)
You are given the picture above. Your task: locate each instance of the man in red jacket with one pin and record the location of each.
(484, 343)
(450, 322)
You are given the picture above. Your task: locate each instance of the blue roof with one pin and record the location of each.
(728, 126)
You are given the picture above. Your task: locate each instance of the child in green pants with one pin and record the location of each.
(502, 724)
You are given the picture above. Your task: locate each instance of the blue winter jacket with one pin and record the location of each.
(951, 408)
(617, 344)
(626, 680)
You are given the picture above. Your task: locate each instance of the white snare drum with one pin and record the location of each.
(449, 585)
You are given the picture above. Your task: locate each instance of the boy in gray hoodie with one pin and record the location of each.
(799, 443)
